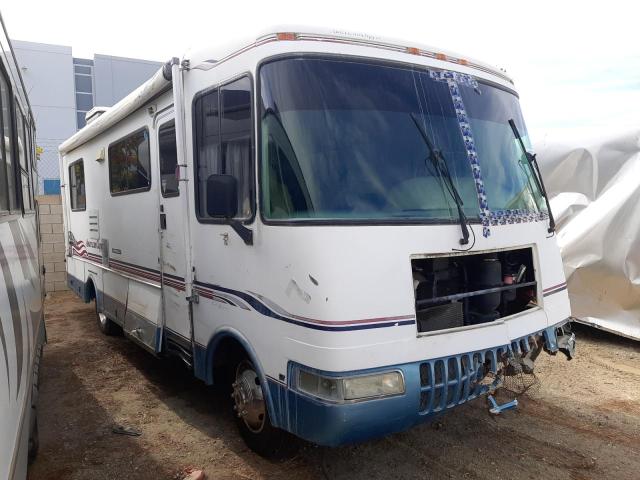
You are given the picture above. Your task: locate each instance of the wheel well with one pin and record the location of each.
(223, 353)
(227, 354)
(90, 291)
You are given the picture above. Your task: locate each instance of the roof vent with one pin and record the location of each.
(94, 113)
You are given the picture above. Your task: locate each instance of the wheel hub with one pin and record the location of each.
(248, 398)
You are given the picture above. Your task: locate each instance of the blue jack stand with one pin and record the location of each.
(498, 409)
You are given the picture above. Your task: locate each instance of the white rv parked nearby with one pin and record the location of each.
(22, 331)
(349, 230)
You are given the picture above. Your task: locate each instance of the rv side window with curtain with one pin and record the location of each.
(223, 134)
(4, 148)
(168, 159)
(23, 146)
(77, 192)
(129, 164)
(33, 180)
(9, 175)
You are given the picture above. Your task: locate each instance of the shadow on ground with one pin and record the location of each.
(583, 422)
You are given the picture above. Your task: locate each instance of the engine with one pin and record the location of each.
(469, 289)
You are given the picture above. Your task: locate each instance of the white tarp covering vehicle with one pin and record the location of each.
(595, 192)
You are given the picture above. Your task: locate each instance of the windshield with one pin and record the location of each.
(507, 175)
(340, 141)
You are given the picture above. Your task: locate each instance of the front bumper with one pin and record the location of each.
(432, 387)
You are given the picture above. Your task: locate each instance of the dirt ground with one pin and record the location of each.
(583, 422)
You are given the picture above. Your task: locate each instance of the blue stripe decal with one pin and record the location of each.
(261, 308)
(133, 265)
(551, 292)
(174, 277)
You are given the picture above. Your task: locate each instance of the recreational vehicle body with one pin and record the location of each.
(347, 227)
(22, 332)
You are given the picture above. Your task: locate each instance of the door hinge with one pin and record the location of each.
(193, 298)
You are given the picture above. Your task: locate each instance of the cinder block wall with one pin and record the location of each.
(52, 244)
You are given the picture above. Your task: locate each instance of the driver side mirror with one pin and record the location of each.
(222, 201)
(222, 196)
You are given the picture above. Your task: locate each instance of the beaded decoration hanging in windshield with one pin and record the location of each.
(487, 217)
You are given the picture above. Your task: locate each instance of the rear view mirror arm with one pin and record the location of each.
(246, 234)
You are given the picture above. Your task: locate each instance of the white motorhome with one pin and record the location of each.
(345, 228)
(22, 331)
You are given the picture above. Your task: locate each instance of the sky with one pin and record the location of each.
(575, 66)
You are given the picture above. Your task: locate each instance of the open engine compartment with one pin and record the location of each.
(471, 289)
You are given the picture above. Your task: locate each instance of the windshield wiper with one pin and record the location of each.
(533, 163)
(440, 164)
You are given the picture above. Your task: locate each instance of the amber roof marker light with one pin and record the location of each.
(286, 36)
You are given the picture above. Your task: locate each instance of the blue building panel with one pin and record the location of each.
(51, 186)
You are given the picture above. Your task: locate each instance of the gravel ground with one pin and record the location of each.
(583, 422)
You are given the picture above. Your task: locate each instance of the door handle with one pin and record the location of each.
(163, 221)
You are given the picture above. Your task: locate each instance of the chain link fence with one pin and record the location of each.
(48, 168)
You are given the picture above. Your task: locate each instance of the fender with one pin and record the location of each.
(97, 292)
(203, 363)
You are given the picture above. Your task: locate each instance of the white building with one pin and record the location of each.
(63, 88)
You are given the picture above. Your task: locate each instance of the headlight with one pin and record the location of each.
(342, 389)
(379, 385)
(318, 386)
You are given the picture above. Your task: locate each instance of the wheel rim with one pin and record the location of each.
(248, 398)
(102, 318)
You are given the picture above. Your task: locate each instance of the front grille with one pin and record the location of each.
(447, 382)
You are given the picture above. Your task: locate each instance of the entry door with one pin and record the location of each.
(172, 256)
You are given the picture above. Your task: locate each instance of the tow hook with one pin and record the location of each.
(498, 409)
(494, 408)
(567, 344)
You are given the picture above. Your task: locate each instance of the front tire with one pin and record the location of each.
(108, 327)
(252, 416)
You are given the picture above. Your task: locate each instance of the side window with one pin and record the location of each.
(8, 175)
(223, 142)
(168, 153)
(23, 154)
(26, 186)
(5, 146)
(129, 164)
(22, 148)
(207, 145)
(77, 192)
(32, 164)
